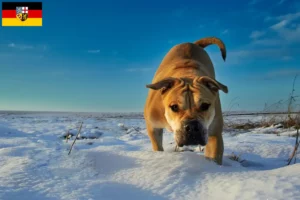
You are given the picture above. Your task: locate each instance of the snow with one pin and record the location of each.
(114, 160)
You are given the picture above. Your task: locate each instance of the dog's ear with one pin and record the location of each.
(164, 84)
(212, 84)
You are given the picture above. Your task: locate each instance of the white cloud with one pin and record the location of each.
(283, 72)
(288, 34)
(284, 20)
(278, 73)
(281, 2)
(256, 34)
(248, 54)
(267, 42)
(289, 17)
(286, 27)
(12, 45)
(268, 18)
(253, 2)
(180, 12)
(263, 53)
(24, 47)
(44, 47)
(20, 46)
(287, 58)
(224, 32)
(145, 69)
(280, 25)
(94, 51)
(216, 22)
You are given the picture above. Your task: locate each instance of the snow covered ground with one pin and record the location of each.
(118, 162)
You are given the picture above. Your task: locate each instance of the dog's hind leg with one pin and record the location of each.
(215, 147)
(156, 137)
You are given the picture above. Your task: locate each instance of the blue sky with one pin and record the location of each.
(99, 55)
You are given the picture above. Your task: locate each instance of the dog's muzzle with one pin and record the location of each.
(192, 133)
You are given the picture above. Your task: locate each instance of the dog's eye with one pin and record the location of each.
(174, 108)
(204, 107)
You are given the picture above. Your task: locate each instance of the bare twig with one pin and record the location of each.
(75, 138)
(295, 149)
(201, 149)
(176, 148)
(296, 120)
(237, 158)
(292, 98)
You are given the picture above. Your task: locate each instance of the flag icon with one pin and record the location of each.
(22, 14)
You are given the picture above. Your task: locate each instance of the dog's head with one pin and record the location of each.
(189, 106)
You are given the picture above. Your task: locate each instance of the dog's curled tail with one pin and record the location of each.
(204, 42)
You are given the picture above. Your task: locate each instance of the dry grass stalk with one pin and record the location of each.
(75, 138)
(236, 158)
(292, 98)
(294, 154)
(295, 123)
(176, 148)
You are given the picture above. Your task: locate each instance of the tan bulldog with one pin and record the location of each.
(184, 99)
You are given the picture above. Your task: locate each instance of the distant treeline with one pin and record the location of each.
(258, 113)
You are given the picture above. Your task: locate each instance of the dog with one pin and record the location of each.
(184, 99)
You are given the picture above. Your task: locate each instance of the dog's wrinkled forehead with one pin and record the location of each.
(181, 93)
(184, 85)
(188, 92)
(180, 86)
(201, 84)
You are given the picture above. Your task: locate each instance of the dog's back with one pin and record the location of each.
(185, 60)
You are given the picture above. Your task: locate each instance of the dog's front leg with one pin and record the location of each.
(215, 147)
(156, 137)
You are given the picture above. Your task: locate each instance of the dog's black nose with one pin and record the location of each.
(193, 133)
(192, 126)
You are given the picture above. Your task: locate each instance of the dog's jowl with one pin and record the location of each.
(184, 98)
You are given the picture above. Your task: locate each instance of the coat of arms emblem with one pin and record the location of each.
(22, 13)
